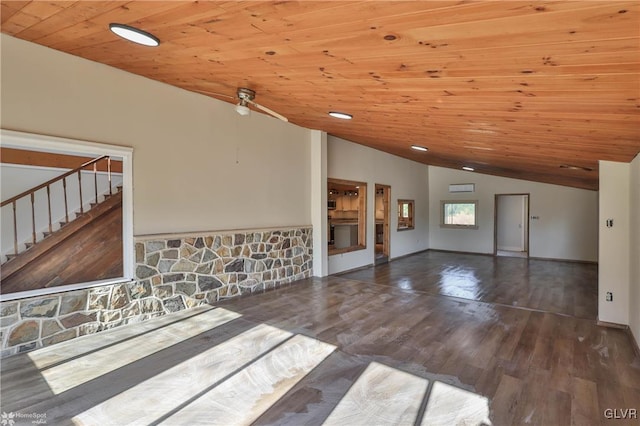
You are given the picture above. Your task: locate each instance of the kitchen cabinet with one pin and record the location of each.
(346, 203)
(353, 203)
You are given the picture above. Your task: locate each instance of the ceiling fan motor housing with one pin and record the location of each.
(246, 94)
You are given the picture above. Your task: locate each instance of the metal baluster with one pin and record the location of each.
(80, 190)
(109, 173)
(33, 217)
(49, 204)
(95, 179)
(15, 230)
(66, 204)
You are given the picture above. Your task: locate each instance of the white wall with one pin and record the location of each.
(198, 165)
(408, 180)
(634, 252)
(567, 227)
(613, 264)
(16, 179)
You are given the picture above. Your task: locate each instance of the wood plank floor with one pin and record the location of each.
(562, 287)
(340, 351)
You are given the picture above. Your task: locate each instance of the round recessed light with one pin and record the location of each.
(467, 168)
(341, 115)
(419, 148)
(572, 167)
(134, 34)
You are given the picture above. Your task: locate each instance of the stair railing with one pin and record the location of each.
(31, 193)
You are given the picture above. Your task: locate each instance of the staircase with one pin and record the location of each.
(85, 245)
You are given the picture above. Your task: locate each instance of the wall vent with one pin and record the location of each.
(462, 187)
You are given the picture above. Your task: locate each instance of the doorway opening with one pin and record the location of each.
(79, 210)
(511, 228)
(382, 218)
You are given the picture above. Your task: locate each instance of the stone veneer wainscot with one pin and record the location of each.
(172, 274)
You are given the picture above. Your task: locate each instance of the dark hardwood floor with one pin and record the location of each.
(568, 288)
(406, 352)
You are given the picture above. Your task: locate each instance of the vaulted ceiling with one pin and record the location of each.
(510, 88)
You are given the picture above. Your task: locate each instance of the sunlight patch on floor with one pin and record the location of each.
(91, 365)
(242, 398)
(384, 395)
(381, 395)
(60, 352)
(449, 405)
(240, 379)
(166, 392)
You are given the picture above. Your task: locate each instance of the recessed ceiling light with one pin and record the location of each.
(341, 115)
(467, 168)
(483, 131)
(572, 167)
(482, 148)
(134, 34)
(419, 148)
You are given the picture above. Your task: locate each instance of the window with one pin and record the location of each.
(347, 213)
(39, 215)
(405, 215)
(459, 214)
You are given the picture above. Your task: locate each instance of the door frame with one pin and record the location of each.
(526, 223)
(386, 224)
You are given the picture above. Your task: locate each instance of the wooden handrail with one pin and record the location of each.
(54, 180)
(31, 194)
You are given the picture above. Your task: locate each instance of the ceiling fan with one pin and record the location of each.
(245, 98)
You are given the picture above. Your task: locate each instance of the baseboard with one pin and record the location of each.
(351, 270)
(516, 249)
(590, 262)
(553, 259)
(624, 327)
(612, 325)
(408, 254)
(461, 252)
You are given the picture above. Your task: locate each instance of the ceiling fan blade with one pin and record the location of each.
(217, 95)
(269, 111)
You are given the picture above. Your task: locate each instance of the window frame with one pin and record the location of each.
(31, 141)
(412, 215)
(444, 203)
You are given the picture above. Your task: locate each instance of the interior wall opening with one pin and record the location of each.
(67, 216)
(511, 235)
(347, 215)
(382, 219)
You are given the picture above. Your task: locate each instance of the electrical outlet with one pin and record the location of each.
(609, 296)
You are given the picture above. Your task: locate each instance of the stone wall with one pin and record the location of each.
(172, 274)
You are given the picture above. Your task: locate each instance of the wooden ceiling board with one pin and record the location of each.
(91, 31)
(10, 8)
(515, 88)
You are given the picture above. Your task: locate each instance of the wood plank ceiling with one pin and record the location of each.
(510, 88)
